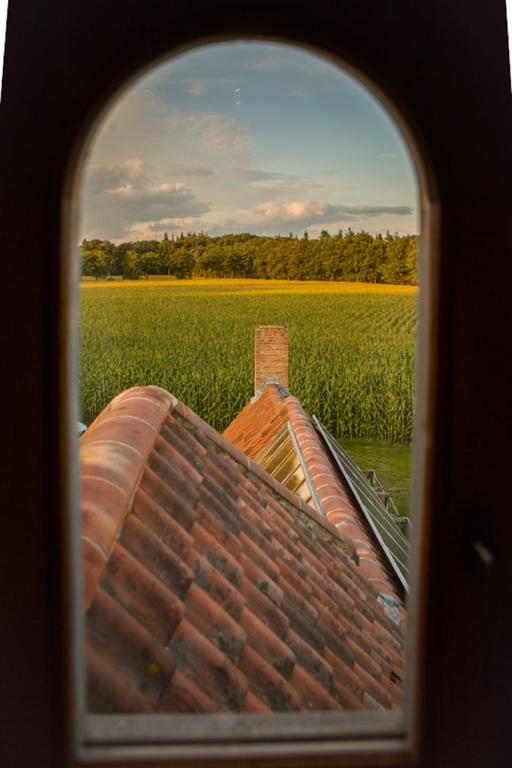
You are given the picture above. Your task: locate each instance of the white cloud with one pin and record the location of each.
(119, 197)
(312, 211)
(272, 217)
(282, 58)
(143, 126)
(191, 170)
(209, 135)
(254, 175)
(108, 176)
(149, 162)
(154, 230)
(153, 168)
(195, 87)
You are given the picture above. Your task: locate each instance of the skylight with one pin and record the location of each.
(387, 532)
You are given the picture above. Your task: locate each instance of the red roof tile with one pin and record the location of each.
(253, 430)
(209, 587)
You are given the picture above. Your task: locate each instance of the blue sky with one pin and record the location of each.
(254, 137)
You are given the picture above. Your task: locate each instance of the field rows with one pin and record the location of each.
(351, 348)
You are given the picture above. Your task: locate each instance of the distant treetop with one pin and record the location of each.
(349, 256)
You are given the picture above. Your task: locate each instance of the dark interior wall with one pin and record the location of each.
(444, 64)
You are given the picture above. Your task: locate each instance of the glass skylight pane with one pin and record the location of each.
(389, 535)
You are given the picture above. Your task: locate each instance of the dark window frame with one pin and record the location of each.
(452, 106)
(356, 733)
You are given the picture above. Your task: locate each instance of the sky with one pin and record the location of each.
(247, 137)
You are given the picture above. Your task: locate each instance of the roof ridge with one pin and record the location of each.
(271, 409)
(334, 497)
(283, 391)
(103, 514)
(272, 400)
(275, 486)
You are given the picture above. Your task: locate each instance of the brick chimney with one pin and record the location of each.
(271, 356)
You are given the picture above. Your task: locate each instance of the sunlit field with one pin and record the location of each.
(351, 347)
(242, 286)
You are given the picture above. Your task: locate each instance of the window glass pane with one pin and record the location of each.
(248, 239)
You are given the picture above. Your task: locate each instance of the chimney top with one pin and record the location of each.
(271, 356)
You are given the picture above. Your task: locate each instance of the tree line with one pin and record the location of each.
(351, 256)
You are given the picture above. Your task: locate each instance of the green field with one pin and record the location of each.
(351, 348)
(391, 462)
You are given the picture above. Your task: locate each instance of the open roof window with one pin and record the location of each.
(244, 582)
(384, 526)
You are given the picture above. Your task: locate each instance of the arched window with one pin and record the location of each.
(189, 612)
(62, 64)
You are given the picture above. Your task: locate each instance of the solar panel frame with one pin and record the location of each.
(392, 541)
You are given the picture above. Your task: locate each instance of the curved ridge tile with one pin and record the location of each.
(113, 454)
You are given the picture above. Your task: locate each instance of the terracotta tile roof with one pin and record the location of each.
(210, 587)
(257, 425)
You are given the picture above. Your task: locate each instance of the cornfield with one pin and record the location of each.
(352, 348)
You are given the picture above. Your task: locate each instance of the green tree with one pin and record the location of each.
(132, 270)
(94, 258)
(182, 262)
(165, 250)
(149, 263)
(344, 256)
(400, 263)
